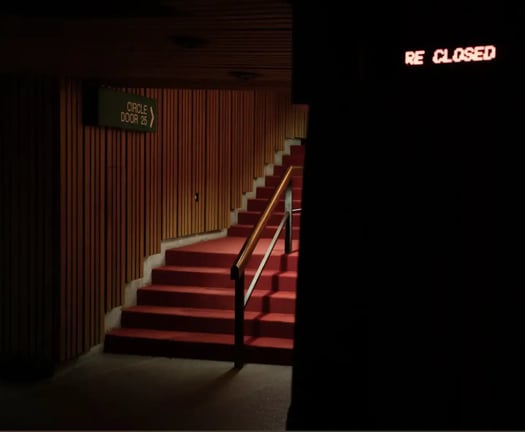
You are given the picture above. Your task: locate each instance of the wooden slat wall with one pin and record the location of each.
(153, 185)
(211, 202)
(282, 121)
(168, 127)
(248, 140)
(184, 168)
(236, 150)
(198, 174)
(225, 157)
(123, 192)
(300, 113)
(29, 230)
(271, 134)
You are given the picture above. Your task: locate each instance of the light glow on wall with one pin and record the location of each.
(480, 53)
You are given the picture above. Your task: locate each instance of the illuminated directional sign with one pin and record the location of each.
(126, 110)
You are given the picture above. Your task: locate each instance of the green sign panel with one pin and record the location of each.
(126, 111)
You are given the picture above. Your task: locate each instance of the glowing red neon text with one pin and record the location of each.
(414, 57)
(481, 53)
(468, 54)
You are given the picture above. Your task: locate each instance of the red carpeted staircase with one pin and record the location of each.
(188, 309)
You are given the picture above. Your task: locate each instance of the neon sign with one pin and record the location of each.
(480, 53)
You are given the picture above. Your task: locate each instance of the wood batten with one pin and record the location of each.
(169, 138)
(247, 143)
(199, 175)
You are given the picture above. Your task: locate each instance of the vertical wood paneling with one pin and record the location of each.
(94, 205)
(248, 102)
(260, 157)
(198, 174)
(122, 145)
(157, 178)
(289, 116)
(150, 190)
(49, 192)
(225, 157)
(66, 217)
(184, 168)
(170, 131)
(236, 150)
(282, 106)
(88, 243)
(301, 118)
(130, 244)
(96, 223)
(135, 201)
(101, 201)
(111, 192)
(140, 204)
(78, 288)
(211, 197)
(114, 286)
(272, 133)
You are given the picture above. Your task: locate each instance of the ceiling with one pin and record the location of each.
(234, 44)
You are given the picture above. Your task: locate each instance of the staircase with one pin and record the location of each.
(188, 309)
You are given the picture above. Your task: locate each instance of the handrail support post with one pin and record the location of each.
(288, 211)
(239, 322)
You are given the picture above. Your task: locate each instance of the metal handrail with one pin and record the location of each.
(241, 261)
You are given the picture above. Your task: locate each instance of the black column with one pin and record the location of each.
(409, 298)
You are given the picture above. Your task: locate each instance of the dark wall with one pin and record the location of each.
(409, 303)
(29, 226)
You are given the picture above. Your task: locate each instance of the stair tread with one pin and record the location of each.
(200, 269)
(264, 199)
(214, 290)
(199, 337)
(209, 313)
(227, 244)
(267, 226)
(222, 270)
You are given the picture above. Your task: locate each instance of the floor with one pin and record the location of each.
(101, 391)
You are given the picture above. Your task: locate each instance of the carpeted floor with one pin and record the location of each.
(123, 392)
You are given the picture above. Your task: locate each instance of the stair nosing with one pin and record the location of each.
(205, 313)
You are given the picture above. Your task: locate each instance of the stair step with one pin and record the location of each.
(220, 277)
(273, 180)
(277, 260)
(279, 170)
(259, 204)
(219, 298)
(268, 191)
(241, 230)
(207, 320)
(294, 158)
(252, 217)
(196, 345)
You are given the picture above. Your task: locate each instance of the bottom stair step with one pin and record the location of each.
(205, 346)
